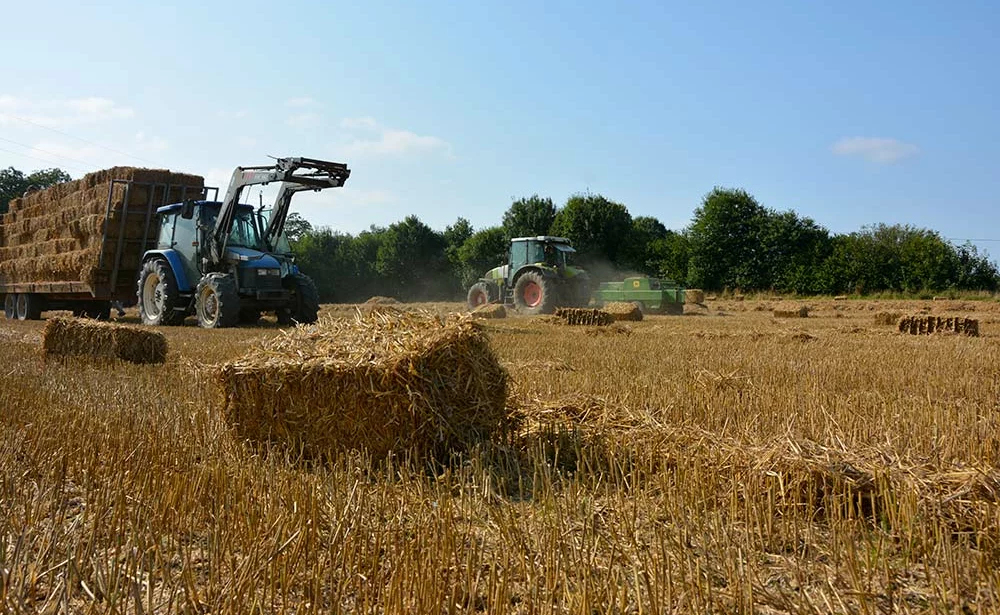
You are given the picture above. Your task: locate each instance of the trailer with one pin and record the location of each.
(78, 246)
(651, 295)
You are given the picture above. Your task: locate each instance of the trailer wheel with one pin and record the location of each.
(158, 295)
(29, 306)
(217, 302)
(10, 306)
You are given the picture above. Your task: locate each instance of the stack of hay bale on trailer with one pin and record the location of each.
(78, 245)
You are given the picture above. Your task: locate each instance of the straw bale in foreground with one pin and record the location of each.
(385, 383)
(623, 310)
(90, 338)
(927, 325)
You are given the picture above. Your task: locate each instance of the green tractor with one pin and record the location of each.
(538, 277)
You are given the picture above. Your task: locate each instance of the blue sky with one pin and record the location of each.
(851, 113)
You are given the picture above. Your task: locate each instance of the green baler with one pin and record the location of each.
(652, 295)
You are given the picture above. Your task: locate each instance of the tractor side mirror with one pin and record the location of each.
(187, 210)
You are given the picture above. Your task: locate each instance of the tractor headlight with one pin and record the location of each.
(274, 272)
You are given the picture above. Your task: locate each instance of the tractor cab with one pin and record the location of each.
(541, 251)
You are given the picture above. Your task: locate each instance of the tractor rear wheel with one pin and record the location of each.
(10, 306)
(217, 302)
(534, 294)
(481, 293)
(158, 295)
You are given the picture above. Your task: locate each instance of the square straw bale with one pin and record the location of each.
(623, 310)
(90, 338)
(387, 383)
(791, 310)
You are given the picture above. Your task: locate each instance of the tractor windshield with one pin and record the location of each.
(244, 233)
(566, 256)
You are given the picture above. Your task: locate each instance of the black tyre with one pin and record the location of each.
(534, 294)
(29, 306)
(217, 303)
(305, 301)
(158, 295)
(482, 293)
(10, 306)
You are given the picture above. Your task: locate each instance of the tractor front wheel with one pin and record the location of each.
(534, 294)
(217, 303)
(305, 301)
(481, 293)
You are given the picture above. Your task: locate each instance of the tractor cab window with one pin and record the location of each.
(519, 255)
(540, 253)
(166, 236)
(244, 233)
(565, 256)
(281, 244)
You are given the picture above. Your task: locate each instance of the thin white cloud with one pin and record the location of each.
(60, 153)
(64, 112)
(100, 108)
(875, 149)
(303, 120)
(233, 114)
(150, 143)
(246, 141)
(359, 123)
(301, 101)
(380, 140)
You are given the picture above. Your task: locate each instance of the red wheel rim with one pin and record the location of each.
(532, 294)
(479, 299)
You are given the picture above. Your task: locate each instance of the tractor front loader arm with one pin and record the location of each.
(296, 173)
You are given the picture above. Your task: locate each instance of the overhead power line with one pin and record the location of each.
(23, 155)
(66, 134)
(38, 149)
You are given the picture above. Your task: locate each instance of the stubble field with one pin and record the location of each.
(722, 461)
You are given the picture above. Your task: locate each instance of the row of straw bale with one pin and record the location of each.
(57, 234)
(583, 316)
(928, 325)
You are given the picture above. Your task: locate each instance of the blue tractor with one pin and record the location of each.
(224, 262)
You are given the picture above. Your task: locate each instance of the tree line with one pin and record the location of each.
(732, 242)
